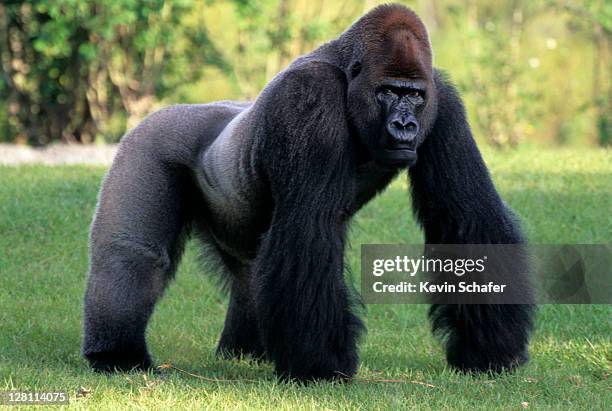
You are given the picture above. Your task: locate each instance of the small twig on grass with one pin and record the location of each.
(356, 379)
(201, 377)
(83, 392)
(344, 376)
(590, 344)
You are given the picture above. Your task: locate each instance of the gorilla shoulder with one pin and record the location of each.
(308, 99)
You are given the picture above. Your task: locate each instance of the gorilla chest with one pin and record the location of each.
(233, 218)
(238, 212)
(234, 214)
(371, 179)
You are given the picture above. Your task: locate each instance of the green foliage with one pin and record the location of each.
(71, 66)
(77, 69)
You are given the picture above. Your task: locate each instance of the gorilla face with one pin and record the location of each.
(392, 117)
(401, 104)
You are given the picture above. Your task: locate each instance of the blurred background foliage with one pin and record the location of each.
(531, 72)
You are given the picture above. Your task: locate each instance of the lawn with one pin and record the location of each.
(563, 196)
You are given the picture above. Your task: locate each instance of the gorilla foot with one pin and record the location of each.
(122, 361)
(330, 368)
(229, 349)
(315, 374)
(237, 353)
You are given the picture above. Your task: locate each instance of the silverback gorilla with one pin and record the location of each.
(271, 186)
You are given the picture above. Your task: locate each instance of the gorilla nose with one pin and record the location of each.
(403, 128)
(404, 124)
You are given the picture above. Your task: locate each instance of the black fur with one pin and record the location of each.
(271, 187)
(456, 203)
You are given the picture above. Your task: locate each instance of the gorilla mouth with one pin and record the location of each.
(398, 157)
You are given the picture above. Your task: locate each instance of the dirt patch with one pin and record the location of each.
(57, 154)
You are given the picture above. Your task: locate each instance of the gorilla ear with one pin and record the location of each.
(355, 69)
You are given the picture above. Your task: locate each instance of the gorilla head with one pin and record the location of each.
(391, 93)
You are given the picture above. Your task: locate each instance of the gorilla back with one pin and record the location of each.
(271, 186)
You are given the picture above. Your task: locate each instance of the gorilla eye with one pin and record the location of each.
(413, 92)
(388, 92)
(355, 69)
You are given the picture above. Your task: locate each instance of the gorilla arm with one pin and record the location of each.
(456, 202)
(303, 307)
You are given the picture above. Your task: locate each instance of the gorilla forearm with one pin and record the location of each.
(456, 202)
(453, 194)
(303, 305)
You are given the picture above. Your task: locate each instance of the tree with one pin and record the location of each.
(71, 67)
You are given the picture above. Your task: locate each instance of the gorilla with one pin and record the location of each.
(270, 187)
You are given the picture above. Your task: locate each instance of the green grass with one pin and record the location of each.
(563, 196)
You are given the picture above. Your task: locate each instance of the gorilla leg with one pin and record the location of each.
(125, 281)
(456, 203)
(136, 241)
(240, 335)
